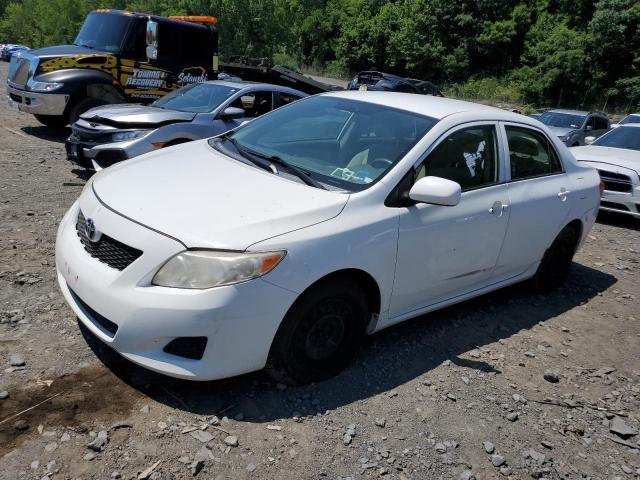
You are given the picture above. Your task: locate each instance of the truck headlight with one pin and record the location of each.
(45, 87)
(128, 135)
(211, 268)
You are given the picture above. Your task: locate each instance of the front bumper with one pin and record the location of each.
(37, 103)
(619, 202)
(92, 155)
(239, 321)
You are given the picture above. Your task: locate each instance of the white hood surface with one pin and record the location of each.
(616, 157)
(206, 199)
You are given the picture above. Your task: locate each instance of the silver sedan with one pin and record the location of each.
(110, 134)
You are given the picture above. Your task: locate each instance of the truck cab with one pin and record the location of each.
(118, 56)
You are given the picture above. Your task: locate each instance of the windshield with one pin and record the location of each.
(103, 31)
(196, 98)
(621, 137)
(630, 119)
(344, 143)
(563, 120)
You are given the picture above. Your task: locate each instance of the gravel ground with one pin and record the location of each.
(510, 385)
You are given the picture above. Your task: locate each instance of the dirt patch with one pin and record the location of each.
(93, 394)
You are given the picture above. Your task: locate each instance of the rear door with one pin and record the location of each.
(538, 190)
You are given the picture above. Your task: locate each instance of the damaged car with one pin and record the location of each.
(110, 134)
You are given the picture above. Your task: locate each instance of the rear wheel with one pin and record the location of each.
(53, 121)
(556, 262)
(320, 334)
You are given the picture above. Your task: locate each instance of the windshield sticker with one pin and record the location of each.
(359, 176)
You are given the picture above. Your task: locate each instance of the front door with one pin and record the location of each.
(444, 251)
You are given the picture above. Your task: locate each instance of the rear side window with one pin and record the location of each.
(282, 98)
(531, 154)
(254, 104)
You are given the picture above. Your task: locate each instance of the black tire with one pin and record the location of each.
(556, 262)
(82, 105)
(320, 334)
(53, 121)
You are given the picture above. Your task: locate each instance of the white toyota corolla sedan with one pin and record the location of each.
(285, 242)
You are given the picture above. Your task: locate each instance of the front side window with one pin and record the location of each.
(601, 123)
(255, 104)
(530, 154)
(282, 98)
(468, 157)
(340, 142)
(196, 98)
(103, 31)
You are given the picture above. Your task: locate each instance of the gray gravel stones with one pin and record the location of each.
(99, 443)
(17, 361)
(488, 447)
(621, 428)
(497, 460)
(552, 376)
(512, 417)
(4, 395)
(467, 475)
(380, 422)
(231, 440)
(201, 435)
(21, 425)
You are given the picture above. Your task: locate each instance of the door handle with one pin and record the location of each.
(562, 194)
(497, 207)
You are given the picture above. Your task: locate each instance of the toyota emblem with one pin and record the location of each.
(90, 229)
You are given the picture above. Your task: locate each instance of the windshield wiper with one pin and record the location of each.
(268, 162)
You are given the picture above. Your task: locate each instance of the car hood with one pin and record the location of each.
(135, 115)
(560, 131)
(618, 157)
(206, 199)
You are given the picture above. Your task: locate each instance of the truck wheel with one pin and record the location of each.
(82, 105)
(556, 262)
(53, 121)
(320, 334)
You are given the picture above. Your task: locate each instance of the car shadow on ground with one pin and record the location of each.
(391, 358)
(619, 220)
(58, 135)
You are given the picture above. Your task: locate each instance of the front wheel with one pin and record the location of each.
(81, 106)
(320, 334)
(556, 262)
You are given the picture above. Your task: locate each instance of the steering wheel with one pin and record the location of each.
(380, 163)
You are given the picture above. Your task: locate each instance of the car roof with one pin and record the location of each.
(252, 85)
(571, 112)
(630, 125)
(429, 105)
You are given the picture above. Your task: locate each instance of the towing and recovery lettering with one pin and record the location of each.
(146, 78)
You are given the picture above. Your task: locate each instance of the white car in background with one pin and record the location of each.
(631, 118)
(283, 243)
(616, 155)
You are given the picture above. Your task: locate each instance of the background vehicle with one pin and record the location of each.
(379, 81)
(8, 51)
(109, 134)
(286, 241)
(573, 126)
(616, 155)
(117, 57)
(632, 118)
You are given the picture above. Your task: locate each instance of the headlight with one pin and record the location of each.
(35, 86)
(128, 135)
(211, 268)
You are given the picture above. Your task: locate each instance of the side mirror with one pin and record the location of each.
(230, 113)
(589, 140)
(152, 40)
(436, 190)
(588, 128)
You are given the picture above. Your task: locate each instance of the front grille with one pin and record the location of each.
(615, 182)
(187, 347)
(92, 136)
(19, 71)
(106, 324)
(107, 250)
(614, 206)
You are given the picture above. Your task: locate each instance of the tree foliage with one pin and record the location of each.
(569, 52)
